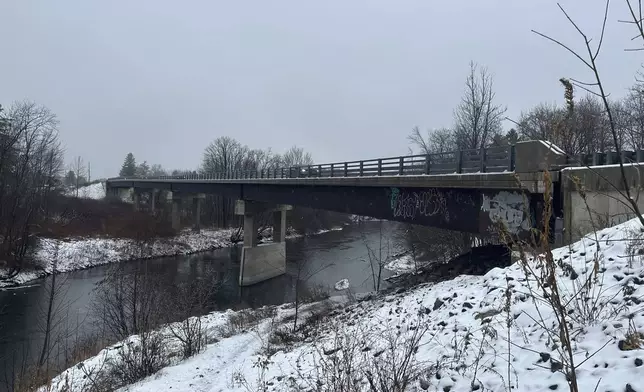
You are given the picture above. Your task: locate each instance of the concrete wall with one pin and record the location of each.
(262, 262)
(604, 204)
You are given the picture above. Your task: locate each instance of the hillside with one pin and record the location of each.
(93, 191)
(495, 332)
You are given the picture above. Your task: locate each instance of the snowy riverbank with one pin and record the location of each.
(494, 332)
(80, 253)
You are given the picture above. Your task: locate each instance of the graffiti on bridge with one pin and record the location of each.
(422, 203)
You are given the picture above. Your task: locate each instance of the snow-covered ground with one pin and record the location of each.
(79, 253)
(490, 333)
(93, 191)
(404, 263)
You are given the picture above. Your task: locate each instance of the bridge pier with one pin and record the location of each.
(175, 213)
(196, 211)
(177, 203)
(265, 261)
(153, 201)
(136, 199)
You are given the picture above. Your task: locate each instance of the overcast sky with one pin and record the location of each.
(345, 79)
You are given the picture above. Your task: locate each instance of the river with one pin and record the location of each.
(327, 258)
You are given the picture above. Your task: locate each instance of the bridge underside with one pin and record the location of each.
(478, 211)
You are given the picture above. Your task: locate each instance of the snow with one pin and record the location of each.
(477, 337)
(553, 147)
(80, 253)
(574, 168)
(404, 263)
(93, 191)
(73, 254)
(342, 285)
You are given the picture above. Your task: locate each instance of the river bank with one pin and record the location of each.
(493, 332)
(72, 254)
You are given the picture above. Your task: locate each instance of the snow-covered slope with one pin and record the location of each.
(93, 191)
(489, 333)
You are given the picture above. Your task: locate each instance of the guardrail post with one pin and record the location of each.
(610, 157)
(483, 158)
(512, 158)
(401, 166)
(639, 155)
(333, 164)
(428, 163)
(627, 157)
(361, 168)
(379, 167)
(346, 169)
(282, 173)
(459, 161)
(319, 170)
(308, 174)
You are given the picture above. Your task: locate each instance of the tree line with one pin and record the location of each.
(31, 160)
(579, 126)
(224, 154)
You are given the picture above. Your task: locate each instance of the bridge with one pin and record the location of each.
(472, 191)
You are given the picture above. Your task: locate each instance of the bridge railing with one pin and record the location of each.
(488, 160)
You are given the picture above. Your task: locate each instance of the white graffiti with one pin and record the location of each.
(507, 208)
(409, 205)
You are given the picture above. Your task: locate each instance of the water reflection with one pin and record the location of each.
(320, 261)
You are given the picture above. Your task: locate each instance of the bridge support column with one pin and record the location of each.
(153, 201)
(196, 211)
(136, 199)
(265, 261)
(176, 212)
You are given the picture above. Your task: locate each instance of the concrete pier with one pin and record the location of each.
(264, 261)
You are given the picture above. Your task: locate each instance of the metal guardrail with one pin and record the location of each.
(487, 160)
(607, 158)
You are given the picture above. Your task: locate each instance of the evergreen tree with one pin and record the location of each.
(129, 166)
(70, 178)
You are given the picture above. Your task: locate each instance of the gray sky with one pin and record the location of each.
(343, 79)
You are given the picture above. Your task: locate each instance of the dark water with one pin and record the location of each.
(326, 259)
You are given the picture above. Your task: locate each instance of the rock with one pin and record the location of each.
(424, 384)
(467, 305)
(438, 304)
(638, 362)
(629, 388)
(553, 387)
(555, 365)
(545, 357)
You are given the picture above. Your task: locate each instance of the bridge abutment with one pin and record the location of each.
(265, 261)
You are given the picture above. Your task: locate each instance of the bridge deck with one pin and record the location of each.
(532, 182)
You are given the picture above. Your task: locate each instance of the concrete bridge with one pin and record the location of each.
(472, 191)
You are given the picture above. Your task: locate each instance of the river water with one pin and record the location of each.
(327, 258)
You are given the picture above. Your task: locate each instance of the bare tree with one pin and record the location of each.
(436, 141)
(596, 87)
(296, 156)
(78, 167)
(478, 118)
(30, 163)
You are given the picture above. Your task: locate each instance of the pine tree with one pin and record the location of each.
(129, 166)
(70, 178)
